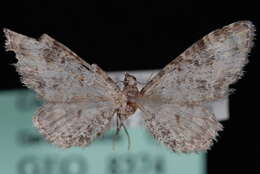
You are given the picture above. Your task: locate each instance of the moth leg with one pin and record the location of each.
(128, 137)
(119, 125)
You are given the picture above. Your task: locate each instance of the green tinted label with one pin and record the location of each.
(24, 151)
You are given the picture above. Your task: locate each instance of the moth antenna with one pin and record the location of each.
(140, 83)
(150, 77)
(119, 81)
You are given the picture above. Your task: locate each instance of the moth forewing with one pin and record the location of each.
(79, 104)
(173, 100)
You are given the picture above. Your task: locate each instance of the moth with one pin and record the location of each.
(80, 99)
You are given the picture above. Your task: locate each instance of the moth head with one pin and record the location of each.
(129, 80)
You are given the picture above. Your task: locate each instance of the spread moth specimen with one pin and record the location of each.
(80, 99)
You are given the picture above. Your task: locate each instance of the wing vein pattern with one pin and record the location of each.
(174, 100)
(78, 97)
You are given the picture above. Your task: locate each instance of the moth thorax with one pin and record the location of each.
(130, 91)
(129, 80)
(130, 87)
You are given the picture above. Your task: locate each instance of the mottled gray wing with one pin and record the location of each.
(55, 72)
(173, 101)
(181, 128)
(79, 97)
(73, 124)
(204, 71)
